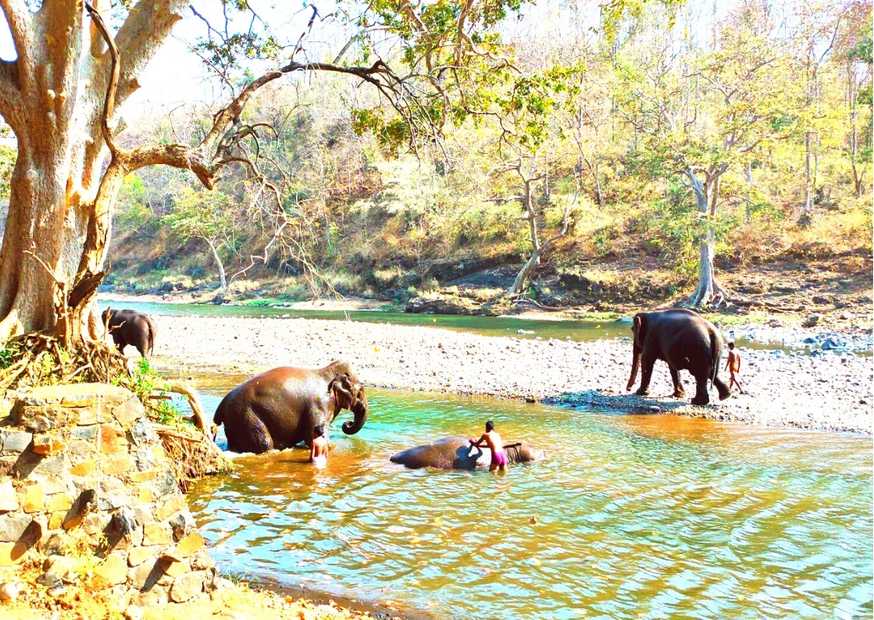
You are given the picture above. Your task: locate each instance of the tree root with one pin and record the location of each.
(40, 359)
(193, 401)
(192, 456)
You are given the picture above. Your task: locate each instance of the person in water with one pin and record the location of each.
(496, 446)
(319, 447)
(733, 367)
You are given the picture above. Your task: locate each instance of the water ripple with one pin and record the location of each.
(625, 519)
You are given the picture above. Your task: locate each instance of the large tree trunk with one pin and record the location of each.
(62, 191)
(534, 230)
(708, 291)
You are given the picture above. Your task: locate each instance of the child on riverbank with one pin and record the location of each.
(496, 445)
(319, 447)
(733, 367)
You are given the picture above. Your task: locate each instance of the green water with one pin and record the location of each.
(483, 325)
(631, 516)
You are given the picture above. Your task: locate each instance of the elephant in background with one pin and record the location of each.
(457, 453)
(685, 341)
(129, 327)
(279, 408)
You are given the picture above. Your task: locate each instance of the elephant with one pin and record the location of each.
(685, 341)
(280, 408)
(131, 327)
(456, 453)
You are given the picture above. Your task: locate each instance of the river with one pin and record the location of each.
(630, 516)
(580, 331)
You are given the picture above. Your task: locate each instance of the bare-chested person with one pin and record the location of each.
(496, 446)
(319, 447)
(733, 367)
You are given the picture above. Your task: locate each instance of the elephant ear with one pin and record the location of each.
(342, 390)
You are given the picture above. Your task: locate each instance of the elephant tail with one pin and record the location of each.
(715, 354)
(152, 331)
(219, 416)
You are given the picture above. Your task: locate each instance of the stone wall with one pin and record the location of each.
(88, 496)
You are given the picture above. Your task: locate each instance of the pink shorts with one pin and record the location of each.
(499, 459)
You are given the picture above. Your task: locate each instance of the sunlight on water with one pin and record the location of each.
(654, 516)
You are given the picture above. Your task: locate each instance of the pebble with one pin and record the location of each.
(9, 591)
(827, 385)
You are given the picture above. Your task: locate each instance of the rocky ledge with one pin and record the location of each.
(89, 502)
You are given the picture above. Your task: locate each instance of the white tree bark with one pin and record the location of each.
(708, 291)
(223, 281)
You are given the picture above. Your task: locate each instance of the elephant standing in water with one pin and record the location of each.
(280, 408)
(457, 453)
(131, 327)
(686, 341)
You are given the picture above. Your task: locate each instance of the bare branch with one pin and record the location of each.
(109, 100)
(143, 32)
(19, 19)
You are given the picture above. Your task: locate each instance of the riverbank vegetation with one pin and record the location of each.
(716, 166)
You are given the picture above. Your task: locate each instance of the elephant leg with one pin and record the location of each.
(249, 434)
(701, 395)
(723, 390)
(119, 343)
(679, 392)
(646, 376)
(142, 345)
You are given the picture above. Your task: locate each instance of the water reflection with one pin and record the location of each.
(653, 515)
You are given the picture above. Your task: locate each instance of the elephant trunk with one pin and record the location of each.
(359, 408)
(635, 365)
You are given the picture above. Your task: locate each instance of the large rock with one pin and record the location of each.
(87, 466)
(54, 406)
(8, 497)
(448, 301)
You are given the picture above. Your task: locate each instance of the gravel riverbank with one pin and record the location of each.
(830, 391)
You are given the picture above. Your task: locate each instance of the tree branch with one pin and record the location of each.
(109, 100)
(18, 18)
(10, 95)
(143, 32)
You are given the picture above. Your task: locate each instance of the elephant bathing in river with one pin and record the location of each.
(279, 408)
(131, 327)
(457, 453)
(686, 341)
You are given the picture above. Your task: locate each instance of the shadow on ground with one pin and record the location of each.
(595, 400)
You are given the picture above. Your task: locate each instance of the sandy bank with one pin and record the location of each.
(828, 391)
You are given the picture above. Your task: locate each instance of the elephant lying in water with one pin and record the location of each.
(457, 453)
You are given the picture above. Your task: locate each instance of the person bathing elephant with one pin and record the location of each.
(281, 407)
(129, 327)
(685, 341)
(457, 453)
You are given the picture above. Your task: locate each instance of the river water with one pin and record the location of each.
(630, 516)
(581, 331)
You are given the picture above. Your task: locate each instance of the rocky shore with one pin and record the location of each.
(829, 391)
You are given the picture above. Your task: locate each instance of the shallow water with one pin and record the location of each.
(580, 331)
(631, 516)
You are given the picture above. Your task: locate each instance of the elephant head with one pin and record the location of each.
(348, 394)
(638, 331)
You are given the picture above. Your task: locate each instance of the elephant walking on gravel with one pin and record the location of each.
(129, 327)
(281, 407)
(685, 341)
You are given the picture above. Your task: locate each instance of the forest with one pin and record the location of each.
(586, 282)
(677, 149)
